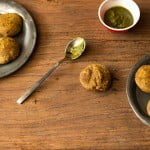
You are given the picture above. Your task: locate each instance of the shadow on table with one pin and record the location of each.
(143, 24)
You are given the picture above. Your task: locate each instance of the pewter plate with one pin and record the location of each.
(26, 38)
(138, 99)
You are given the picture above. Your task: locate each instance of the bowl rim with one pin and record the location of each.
(115, 29)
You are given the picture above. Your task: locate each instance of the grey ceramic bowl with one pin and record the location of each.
(138, 99)
(26, 38)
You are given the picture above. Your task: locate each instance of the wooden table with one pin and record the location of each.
(61, 114)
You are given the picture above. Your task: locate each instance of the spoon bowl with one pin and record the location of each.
(75, 48)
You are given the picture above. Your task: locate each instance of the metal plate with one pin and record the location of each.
(138, 99)
(26, 38)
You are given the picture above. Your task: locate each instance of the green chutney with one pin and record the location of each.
(118, 17)
(77, 50)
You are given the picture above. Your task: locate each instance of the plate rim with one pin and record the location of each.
(33, 43)
(142, 118)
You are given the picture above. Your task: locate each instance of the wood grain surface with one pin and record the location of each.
(61, 114)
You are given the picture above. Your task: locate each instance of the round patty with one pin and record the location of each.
(142, 78)
(9, 49)
(95, 77)
(10, 24)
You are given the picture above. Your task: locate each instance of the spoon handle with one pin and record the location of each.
(38, 83)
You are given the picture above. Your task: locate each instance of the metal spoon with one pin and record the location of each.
(72, 48)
